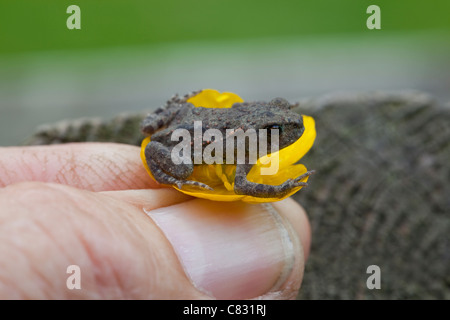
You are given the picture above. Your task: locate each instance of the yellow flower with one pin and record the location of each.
(221, 176)
(209, 98)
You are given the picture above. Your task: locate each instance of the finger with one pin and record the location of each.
(90, 166)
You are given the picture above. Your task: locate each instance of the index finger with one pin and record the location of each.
(89, 166)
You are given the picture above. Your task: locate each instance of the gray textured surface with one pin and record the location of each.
(381, 194)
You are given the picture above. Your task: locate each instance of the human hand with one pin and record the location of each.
(89, 205)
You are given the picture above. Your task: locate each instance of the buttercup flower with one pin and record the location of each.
(221, 176)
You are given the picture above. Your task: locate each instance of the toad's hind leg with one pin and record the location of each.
(243, 186)
(163, 169)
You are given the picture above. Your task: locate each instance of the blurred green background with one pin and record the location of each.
(133, 55)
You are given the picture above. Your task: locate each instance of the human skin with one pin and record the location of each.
(93, 205)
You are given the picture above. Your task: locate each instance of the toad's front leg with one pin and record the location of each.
(163, 169)
(243, 186)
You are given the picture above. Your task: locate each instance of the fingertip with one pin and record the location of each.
(236, 250)
(298, 218)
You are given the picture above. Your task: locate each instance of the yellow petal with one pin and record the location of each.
(210, 98)
(286, 156)
(216, 194)
(291, 154)
(143, 145)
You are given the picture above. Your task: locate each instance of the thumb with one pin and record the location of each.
(235, 250)
(225, 250)
(193, 249)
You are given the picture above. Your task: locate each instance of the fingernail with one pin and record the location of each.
(230, 250)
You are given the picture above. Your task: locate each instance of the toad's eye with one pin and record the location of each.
(274, 126)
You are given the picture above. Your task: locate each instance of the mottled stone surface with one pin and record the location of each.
(381, 196)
